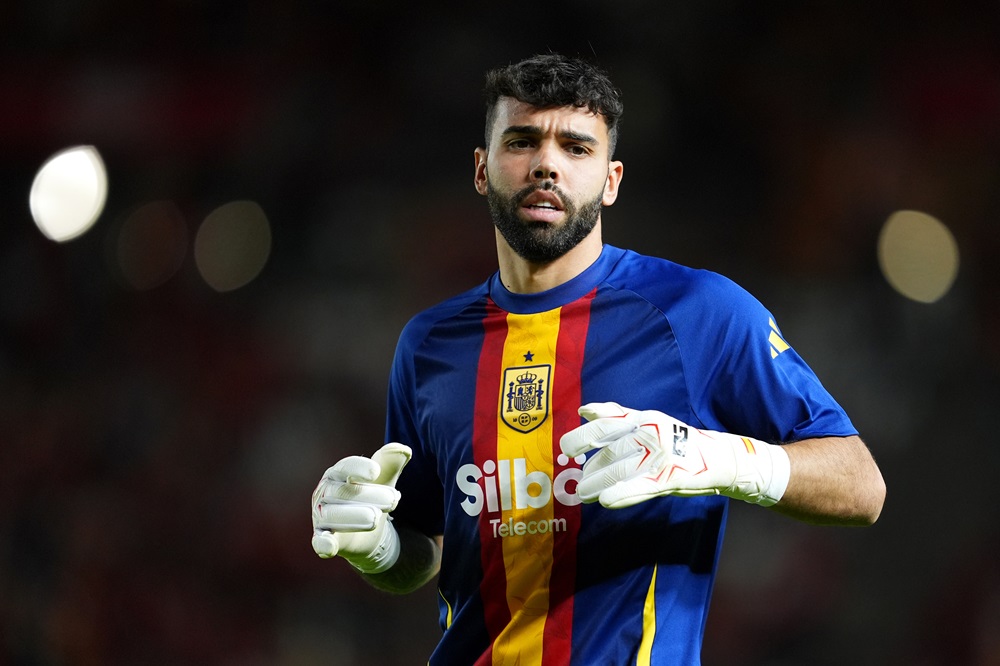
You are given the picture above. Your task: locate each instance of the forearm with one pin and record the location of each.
(833, 481)
(419, 561)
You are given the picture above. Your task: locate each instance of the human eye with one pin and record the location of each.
(578, 150)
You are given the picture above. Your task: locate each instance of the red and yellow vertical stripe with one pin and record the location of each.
(534, 626)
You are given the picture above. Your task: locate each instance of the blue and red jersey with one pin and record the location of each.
(482, 388)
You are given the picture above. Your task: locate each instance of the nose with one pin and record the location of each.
(545, 166)
(544, 172)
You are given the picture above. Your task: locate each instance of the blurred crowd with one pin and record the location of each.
(158, 446)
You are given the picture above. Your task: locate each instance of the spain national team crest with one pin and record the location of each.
(525, 403)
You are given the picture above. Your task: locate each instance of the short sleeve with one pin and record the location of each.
(744, 377)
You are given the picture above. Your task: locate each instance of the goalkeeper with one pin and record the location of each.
(564, 439)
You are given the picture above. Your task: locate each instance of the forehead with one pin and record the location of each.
(511, 112)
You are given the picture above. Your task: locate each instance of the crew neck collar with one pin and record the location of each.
(558, 296)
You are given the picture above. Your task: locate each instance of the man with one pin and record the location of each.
(594, 540)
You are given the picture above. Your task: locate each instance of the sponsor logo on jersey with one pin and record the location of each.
(525, 402)
(507, 486)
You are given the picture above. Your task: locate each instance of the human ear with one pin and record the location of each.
(615, 171)
(480, 179)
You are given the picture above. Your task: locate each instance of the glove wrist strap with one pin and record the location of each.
(382, 557)
(762, 472)
(780, 472)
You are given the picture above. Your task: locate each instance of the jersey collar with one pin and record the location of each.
(558, 296)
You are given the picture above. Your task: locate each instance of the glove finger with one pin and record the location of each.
(391, 459)
(603, 410)
(345, 517)
(353, 468)
(628, 493)
(621, 451)
(599, 478)
(628, 448)
(325, 544)
(594, 435)
(383, 497)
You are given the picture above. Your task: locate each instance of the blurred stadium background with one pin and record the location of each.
(288, 182)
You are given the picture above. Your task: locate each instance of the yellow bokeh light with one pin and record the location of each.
(918, 255)
(232, 245)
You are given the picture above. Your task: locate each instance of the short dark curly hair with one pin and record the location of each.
(552, 80)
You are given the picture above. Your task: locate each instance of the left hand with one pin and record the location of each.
(645, 454)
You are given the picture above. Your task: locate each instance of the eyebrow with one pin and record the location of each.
(534, 130)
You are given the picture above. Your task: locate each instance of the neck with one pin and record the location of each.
(520, 276)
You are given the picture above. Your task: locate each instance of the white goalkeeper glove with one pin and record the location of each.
(351, 505)
(645, 454)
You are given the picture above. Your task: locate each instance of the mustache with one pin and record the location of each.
(546, 185)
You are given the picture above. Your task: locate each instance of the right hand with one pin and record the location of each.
(351, 505)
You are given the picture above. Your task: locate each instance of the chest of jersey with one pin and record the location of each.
(515, 383)
(506, 386)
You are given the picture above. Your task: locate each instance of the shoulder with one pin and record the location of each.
(669, 285)
(420, 325)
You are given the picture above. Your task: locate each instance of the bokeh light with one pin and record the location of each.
(232, 245)
(151, 245)
(918, 255)
(68, 193)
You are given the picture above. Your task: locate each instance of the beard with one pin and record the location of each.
(542, 242)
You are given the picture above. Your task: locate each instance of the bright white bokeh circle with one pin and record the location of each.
(69, 192)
